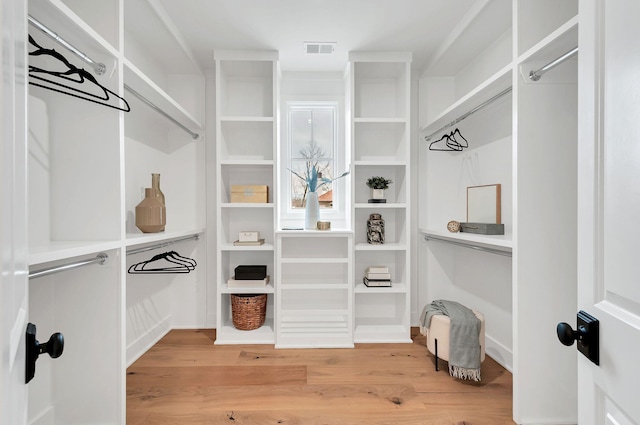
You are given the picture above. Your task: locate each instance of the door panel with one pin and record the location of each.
(609, 205)
(13, 231)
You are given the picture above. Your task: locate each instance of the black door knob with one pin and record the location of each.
(53, 347)
(567, 335)
(587, 335)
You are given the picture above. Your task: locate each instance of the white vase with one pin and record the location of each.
(311, 211)
(377, 193)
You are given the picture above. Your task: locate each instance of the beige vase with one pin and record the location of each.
(151, 213)
(155, 184)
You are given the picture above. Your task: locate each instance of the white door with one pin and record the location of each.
(13, 230)
(609, 208)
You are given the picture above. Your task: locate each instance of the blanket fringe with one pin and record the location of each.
(464, 373)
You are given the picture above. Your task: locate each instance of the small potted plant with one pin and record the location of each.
(378, 185)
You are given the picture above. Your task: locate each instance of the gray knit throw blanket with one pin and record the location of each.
(464, 332)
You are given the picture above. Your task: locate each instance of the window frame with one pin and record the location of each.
(288, 214)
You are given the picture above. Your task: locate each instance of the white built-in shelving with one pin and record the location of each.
(88, 166)
(313, 289)
(523, 137)
(380, 131)
(246, 125)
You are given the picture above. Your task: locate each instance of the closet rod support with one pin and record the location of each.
(468, 245)
(100, 259)
(467, 114)
(161, 112)
(535, 75)
(164, 244)
(100, 68)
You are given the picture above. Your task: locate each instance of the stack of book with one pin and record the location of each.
(377, 276)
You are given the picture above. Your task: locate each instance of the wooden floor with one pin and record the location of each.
(185, 379)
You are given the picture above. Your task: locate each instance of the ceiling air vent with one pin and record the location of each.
(319, 47)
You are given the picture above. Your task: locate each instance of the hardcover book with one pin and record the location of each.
(376, 283)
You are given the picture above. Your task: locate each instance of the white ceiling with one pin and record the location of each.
(418, 26)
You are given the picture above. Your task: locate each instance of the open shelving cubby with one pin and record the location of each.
(246, 124)
(380, 126)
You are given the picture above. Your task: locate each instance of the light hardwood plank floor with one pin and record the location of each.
(185, 379)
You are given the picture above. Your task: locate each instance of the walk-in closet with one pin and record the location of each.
(176, 175)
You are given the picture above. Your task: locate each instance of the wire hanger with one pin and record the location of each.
(168, 262)
(63, 81)
(449, 142)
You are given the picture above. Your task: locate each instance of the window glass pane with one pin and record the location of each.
(312, 132)
(300, 128)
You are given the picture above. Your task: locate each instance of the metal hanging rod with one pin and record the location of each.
(163, 113)
(100, 259)
(535, 75)
(468, 245)
(474, 110)
(100, 68)
(163, 245)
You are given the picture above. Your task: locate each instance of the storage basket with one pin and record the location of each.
(248, 310)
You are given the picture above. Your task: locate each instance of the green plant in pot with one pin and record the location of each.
(378, 185)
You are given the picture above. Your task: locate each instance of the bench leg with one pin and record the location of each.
(436, 341)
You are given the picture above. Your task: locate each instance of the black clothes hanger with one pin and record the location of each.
(449, 142)
(454, 137)
(445, 144)
(64, 80)
(168, 262)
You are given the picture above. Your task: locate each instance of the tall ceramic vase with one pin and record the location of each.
(311, 211)
(150, 213)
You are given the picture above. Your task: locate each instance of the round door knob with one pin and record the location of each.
(567, 335)
(53, 347)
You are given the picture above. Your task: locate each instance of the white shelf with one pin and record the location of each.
(230, 247)
(134, 239)
(496, 242)
(382, 120)
(382, 247)
(235, 118)
(396, 288)
(268, 289)
(497, 83)
(382, 206)
(142, 84)
(247, 205)
(316, 260)
(56, 251)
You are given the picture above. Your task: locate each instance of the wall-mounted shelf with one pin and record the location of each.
(498, 244)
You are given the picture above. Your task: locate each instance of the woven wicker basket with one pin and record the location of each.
(248, 310)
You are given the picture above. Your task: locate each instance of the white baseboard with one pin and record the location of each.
(498, 352)
(548, 421)
(46, 417)
(145, 341)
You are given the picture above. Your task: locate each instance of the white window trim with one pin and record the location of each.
(290, 217)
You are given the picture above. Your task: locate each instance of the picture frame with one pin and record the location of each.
(484, 204)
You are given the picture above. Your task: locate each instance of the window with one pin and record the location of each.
(312, 143)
